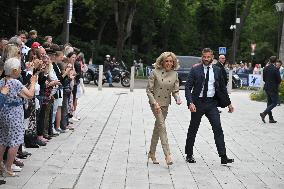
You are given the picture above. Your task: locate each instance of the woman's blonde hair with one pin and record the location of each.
(159, 61)
(11, 51)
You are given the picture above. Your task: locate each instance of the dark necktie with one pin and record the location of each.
(205, 87)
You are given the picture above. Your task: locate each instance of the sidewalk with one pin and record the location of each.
(108, 148)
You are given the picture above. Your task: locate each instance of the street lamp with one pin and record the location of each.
(253, 46)
(279, 8)
(233, 28)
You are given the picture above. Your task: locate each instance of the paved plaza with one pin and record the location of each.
(108, 148)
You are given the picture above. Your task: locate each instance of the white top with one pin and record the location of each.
(211, 87)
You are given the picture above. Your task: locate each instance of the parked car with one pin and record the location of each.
(186, 62)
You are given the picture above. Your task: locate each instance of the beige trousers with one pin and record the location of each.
(160, 131)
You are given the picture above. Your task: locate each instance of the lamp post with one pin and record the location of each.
(233, 28)
(68, 18)
(280, 9)
(253, 46)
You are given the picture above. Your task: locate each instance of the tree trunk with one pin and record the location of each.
(240, 26)
(124, 13)
(102, 27)
(64, 29)
(281, 48)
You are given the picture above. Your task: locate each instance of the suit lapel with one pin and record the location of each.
(215, 73)
(201, 72)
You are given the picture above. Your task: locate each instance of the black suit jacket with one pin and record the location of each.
(196, 81)
(272, 79)
(223, 71)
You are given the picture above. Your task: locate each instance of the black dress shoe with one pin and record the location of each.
(225, 160)
(47, 137)
(2, 182)
(190, 159)
(272, 121)
(21, 156)
(32, 145)
(262, 115)
(27, 153)
(41, 143)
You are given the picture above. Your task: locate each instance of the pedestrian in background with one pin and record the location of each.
(272, 79)
(162, 82)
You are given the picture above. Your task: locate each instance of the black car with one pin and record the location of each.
(186, 62)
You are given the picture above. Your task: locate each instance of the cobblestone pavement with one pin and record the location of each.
(108, 148)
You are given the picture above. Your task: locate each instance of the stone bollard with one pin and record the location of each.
(230, 83)
(132, 78)
(261, 81)
(100, 81)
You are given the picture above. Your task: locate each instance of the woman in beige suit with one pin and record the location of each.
(162, 82)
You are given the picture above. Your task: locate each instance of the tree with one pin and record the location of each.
(124, 14)
(244, 15)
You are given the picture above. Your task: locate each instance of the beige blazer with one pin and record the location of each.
(161, 85)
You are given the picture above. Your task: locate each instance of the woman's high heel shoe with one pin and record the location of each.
(169, 160)
(10, 174)
(153, 158)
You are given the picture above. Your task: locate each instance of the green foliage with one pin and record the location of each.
(184, 27)
(258, 95)
(261, 96)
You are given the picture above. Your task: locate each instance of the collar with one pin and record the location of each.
(210, 66)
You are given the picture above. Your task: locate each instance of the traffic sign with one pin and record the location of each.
(222, 50)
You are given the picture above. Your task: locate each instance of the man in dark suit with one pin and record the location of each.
(272, 79)
(221, 64)
(204, 91)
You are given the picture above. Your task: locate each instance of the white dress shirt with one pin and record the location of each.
(211, 87)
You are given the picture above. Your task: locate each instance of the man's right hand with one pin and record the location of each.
(192, 107)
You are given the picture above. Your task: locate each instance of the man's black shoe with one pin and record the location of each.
(272, 121)
(262, 115)
(32, 145)
(41, 143)
(2, 182)
(190, 159)
(110, 85)
(225, 160)
(47, 137)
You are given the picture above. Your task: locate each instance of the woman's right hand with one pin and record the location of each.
(157, 108)
(4, 90)
(33, 79)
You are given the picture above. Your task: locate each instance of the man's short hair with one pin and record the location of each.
(33, 32)
(206, 50)
(272, 59)
(279, 61)
(23, 32)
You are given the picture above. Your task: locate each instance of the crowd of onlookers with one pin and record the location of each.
(247, 68)
(40, 85)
